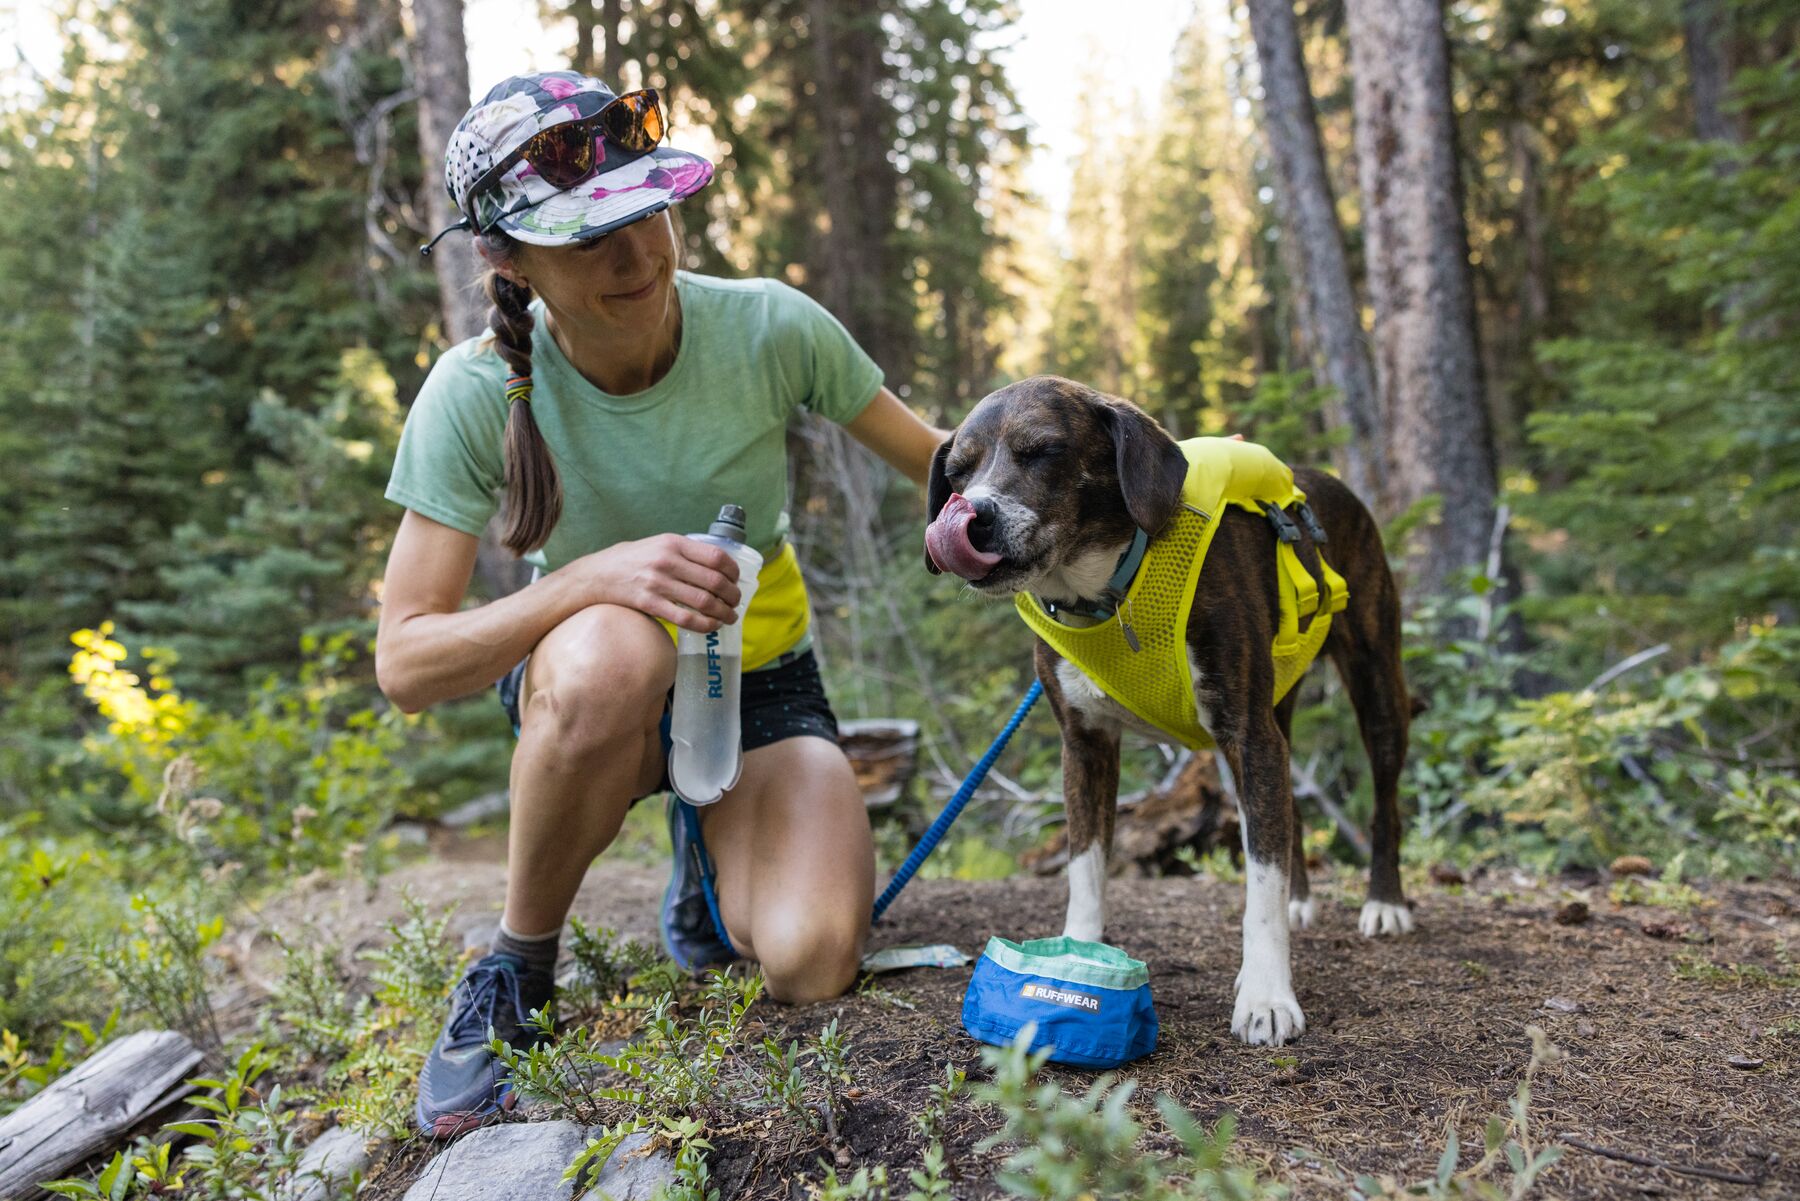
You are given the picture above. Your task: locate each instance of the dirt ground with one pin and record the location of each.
(1403, 1035)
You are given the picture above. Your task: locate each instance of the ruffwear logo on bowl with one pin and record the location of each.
(1057, 996)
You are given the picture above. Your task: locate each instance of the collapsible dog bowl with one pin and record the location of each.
(1091, 1002)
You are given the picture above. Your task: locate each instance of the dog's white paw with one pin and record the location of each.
(1301, 913)
(1379, 917)
(1267, 1013)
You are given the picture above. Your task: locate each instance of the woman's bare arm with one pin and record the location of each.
(429, 649)
(897, 434)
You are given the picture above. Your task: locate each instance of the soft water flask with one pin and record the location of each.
(707, 752)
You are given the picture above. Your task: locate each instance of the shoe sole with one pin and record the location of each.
(451, 1125)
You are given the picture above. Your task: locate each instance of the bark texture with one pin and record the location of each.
(852, 268)
(440, 63)
(1329, 319)
(1705, 32)
(1427, 362)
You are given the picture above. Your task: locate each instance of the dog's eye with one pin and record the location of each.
(1044, 450)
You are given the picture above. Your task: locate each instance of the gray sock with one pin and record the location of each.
(538, 950)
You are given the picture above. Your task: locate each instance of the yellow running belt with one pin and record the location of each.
(1138, 656)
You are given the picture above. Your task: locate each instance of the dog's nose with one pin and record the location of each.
(981, 529)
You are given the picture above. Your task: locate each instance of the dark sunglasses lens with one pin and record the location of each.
(563, 155)
(634, 121)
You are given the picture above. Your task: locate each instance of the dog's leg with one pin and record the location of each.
(1366, 652)
(1090, 762)
(1266, 1012)
(1301, 907)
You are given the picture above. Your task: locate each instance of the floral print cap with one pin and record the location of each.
(625, 186)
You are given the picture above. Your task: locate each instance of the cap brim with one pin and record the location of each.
(612, 199)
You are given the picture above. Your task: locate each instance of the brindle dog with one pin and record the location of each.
(1058, 478)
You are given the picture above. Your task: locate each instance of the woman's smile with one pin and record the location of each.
(642, 293)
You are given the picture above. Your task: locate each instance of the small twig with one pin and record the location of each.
(1646, 1162)
(1306, 784)
(1624, 665)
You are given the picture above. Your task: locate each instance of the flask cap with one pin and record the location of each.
(729, 523)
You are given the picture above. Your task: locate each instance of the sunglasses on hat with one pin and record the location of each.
(563, 155)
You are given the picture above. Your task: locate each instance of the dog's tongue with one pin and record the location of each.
(947, 541)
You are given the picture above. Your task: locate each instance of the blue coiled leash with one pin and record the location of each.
(970, 783)
(920, 853)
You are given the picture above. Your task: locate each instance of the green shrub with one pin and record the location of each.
(1088, 1145)
(304, 777)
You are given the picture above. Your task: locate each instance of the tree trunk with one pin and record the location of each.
(852, 270)
(613, 61)
(1428, 368)
(586, 58)
(440, 61)
(1327, 304)
(1704, 26)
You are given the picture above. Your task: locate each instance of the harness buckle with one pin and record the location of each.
(1311, 523)
(1285, 529)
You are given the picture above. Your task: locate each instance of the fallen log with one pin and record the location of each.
(1187, 809)
(88, 1110)
(884, 754)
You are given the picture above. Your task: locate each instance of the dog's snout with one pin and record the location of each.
(982, 528)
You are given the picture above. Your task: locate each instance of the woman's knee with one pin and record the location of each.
(809, 957)
(602, 674)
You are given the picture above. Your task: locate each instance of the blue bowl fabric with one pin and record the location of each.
(1091, 1002)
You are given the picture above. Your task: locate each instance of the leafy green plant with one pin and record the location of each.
(373, 1086)
(1739, 975)
(305, 775)
(248, 1147)
(1083, 1146)
(604, 964)
(1666, 890)
(1216, 864)
(312, 1000)
(58, 897)
(163, 968)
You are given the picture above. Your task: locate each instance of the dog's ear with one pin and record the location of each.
(937, 493)
(1151, 466)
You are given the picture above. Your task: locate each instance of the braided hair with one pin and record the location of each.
(533, 490)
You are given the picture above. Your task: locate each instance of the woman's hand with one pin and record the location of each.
(668, 576)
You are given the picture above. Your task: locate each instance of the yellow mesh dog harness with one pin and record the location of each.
(1138, 656)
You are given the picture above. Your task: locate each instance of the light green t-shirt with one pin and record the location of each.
(711, 432)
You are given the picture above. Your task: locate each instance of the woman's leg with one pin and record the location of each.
(796, 867)
(592, 697)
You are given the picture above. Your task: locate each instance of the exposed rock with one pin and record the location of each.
(327, 1164)
(524, 1161)
(409, 834)
(482, 808)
